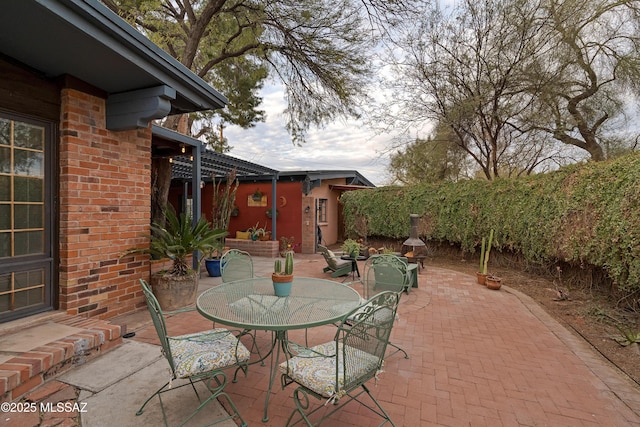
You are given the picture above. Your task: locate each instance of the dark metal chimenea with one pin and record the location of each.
(414, 248)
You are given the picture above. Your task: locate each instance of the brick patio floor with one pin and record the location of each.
(477, 358)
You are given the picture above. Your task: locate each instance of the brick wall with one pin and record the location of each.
(309, 226)
(266, 248)
(104, 208)
(27, 371)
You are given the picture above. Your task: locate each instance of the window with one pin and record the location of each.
(322, 210)
(25, 222)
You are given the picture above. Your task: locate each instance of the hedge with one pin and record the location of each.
(581, 214)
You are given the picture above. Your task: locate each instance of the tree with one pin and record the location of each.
(319, 50)
(590, 72)
(218, 142)
(438, 158)
(464, 70)
(523, 83)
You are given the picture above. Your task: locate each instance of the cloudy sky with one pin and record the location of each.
(343, 145)
(346, 145)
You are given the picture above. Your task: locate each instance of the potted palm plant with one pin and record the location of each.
(283, 278)
(177, 239)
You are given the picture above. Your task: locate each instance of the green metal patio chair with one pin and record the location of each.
(339, 370)
(201, 356)
(385, 272)
(236, 265)
(338, 267)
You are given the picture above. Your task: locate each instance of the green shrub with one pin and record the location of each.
(581, 214)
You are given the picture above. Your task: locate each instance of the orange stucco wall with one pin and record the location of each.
(330, 227)
(293, 220)
(288, 203)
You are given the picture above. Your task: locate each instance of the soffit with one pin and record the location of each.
(88, 41)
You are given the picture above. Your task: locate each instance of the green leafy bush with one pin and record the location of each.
(585, 214)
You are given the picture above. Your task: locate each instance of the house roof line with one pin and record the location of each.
(84, 37)
(212, 163)
(356, 178)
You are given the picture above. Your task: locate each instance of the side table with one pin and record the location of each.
(354, 264)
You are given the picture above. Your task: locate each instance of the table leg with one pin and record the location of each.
(354, 270)
(280, 340)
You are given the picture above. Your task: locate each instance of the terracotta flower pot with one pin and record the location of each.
(175, 292)
(282, 284)
(482, 278)
(494, 282)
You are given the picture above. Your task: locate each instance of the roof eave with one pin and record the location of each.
(86, 40)
(107, 27)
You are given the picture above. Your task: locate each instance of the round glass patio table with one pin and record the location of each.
(251, 304)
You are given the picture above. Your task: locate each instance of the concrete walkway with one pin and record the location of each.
(477, 358)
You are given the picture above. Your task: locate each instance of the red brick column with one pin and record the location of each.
(309, 225)
(104, 208)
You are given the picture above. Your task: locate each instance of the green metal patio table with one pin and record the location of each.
(251, 304)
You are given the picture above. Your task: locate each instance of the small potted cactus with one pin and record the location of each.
(283, 278)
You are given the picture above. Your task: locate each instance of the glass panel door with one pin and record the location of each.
(25, 220)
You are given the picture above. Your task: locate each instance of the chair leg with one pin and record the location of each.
(160, 390)
(382, 412)
(215, 384)
(233, 408)
(254, 346)
(301, 400)
(398, 349)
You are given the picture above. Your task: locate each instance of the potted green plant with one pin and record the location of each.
(286, 244)
(351, 248)
(257, 195)
(485, 250)
(176, 240)
(212, 258)
(283, 278)
(256, 232)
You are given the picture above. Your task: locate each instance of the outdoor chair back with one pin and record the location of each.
(384, 272)
(197, 357)
(338, 267)
(236, 265)
(339, 370)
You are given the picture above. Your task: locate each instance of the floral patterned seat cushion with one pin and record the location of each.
(206, 351)
(318, 373)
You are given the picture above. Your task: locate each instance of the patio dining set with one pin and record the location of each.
(334, 372)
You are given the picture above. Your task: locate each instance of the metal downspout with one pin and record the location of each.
(196, 193)
(274, 206)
